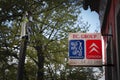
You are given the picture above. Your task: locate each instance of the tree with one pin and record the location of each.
(49, 24)
(8, 51)
(49, 27)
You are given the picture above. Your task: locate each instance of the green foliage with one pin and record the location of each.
(49, 23)
(8, 53)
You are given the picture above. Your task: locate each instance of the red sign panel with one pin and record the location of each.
(93, 49)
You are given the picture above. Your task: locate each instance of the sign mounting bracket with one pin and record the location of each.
(111, 35)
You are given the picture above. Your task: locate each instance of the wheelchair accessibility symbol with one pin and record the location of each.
(76, 49)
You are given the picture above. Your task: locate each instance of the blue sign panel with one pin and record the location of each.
(76, 49)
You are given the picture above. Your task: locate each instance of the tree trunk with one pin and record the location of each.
(22, 55)
(40, 73)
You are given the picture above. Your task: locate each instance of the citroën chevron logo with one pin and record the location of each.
(93, 49)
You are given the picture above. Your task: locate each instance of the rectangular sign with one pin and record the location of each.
(85, 49)
(76, 49)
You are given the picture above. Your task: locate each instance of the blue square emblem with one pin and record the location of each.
(76, 49)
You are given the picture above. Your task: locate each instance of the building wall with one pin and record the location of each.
(117, 30)
(112, 72)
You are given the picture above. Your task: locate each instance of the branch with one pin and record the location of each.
(33, 59)
(49, 9)
(4, 18)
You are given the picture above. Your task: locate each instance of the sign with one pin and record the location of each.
(85, 49)
(76, 49)
(93, 49)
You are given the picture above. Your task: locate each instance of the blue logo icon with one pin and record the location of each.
(76, 49)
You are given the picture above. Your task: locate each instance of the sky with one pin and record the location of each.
(92, 18)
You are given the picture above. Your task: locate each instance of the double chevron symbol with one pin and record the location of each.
(93, 48)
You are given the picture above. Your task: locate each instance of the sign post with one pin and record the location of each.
(85, 49)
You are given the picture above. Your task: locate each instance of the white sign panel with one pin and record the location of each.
(85, 49)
